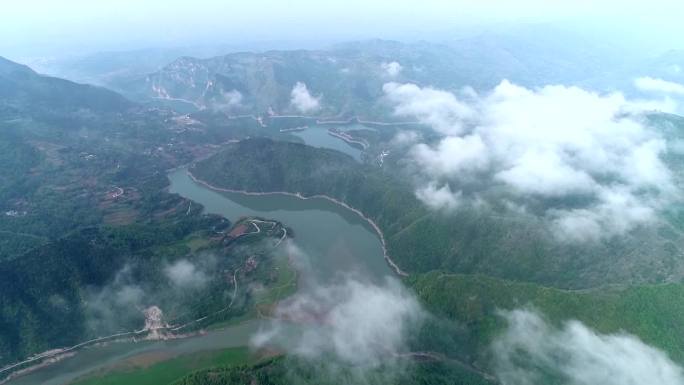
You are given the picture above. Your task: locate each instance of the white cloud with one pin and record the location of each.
(392, 69)
(531, 352)
(452, 155)
(545, 144)
(441, 198)
(232, 98)
(650, 84)
(228, 100)
(302, 100)
(409, 137)
(441, 109)
(358, 323)
(616, 213)
(185, 274)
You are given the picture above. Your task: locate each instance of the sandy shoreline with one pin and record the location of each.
(389, 260)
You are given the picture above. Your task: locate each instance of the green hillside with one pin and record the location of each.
(490, 241)
(651, 312)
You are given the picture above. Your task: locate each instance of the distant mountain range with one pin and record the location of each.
(347, 79)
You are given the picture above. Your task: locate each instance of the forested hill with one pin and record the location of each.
(261, 164)
(419, 240)
(22, 89)
(480, 265)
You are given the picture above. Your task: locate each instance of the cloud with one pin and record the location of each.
(452, 155)
(441, 198)
(533, 352)
(116, 306)
(392, 69)
(184, 274)
(232, 98)
(302, 100)
(650, 84)
(440, 109)
(586, 159)
(356, 322)
(407, 137)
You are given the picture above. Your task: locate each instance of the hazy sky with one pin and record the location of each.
(35, 26)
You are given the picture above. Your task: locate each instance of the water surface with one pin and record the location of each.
(317, 136)
(334, 239)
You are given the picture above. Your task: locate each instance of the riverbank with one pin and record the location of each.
(348, 138)
(375, 227)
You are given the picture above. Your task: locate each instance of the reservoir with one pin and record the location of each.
(318, 136)
(332, 239)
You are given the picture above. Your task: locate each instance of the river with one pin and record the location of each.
(335, 240)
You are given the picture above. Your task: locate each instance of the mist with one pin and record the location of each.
(347, 322)
(127, 25)
(533, 351)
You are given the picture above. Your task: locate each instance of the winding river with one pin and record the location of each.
(333, 239)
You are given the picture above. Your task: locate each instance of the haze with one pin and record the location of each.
(44, 27)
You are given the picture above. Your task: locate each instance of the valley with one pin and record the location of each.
(493, 209)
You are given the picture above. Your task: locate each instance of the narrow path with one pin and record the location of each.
(235, 282)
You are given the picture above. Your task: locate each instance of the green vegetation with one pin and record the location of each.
(652, 312)
(283, 284)
(84, 216)
(490, 240)
(89, 236)
(138, 371)
(291, 371)
(96, 282)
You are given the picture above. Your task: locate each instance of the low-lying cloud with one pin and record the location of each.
(439, 198)
(232, 98)
(119, 305)
(116, 305)
(649, 84)
(587, 159)
(185, 274)
(533, 352)
(355, 322)
(392, 69)
(302, 100)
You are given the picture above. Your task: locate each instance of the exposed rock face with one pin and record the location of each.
(154, 323)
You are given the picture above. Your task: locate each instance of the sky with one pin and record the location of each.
(32, 27)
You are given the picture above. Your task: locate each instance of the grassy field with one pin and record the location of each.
(149, 371)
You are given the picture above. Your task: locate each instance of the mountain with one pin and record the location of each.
(23, 89)
(251, 82)
(348, 77)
